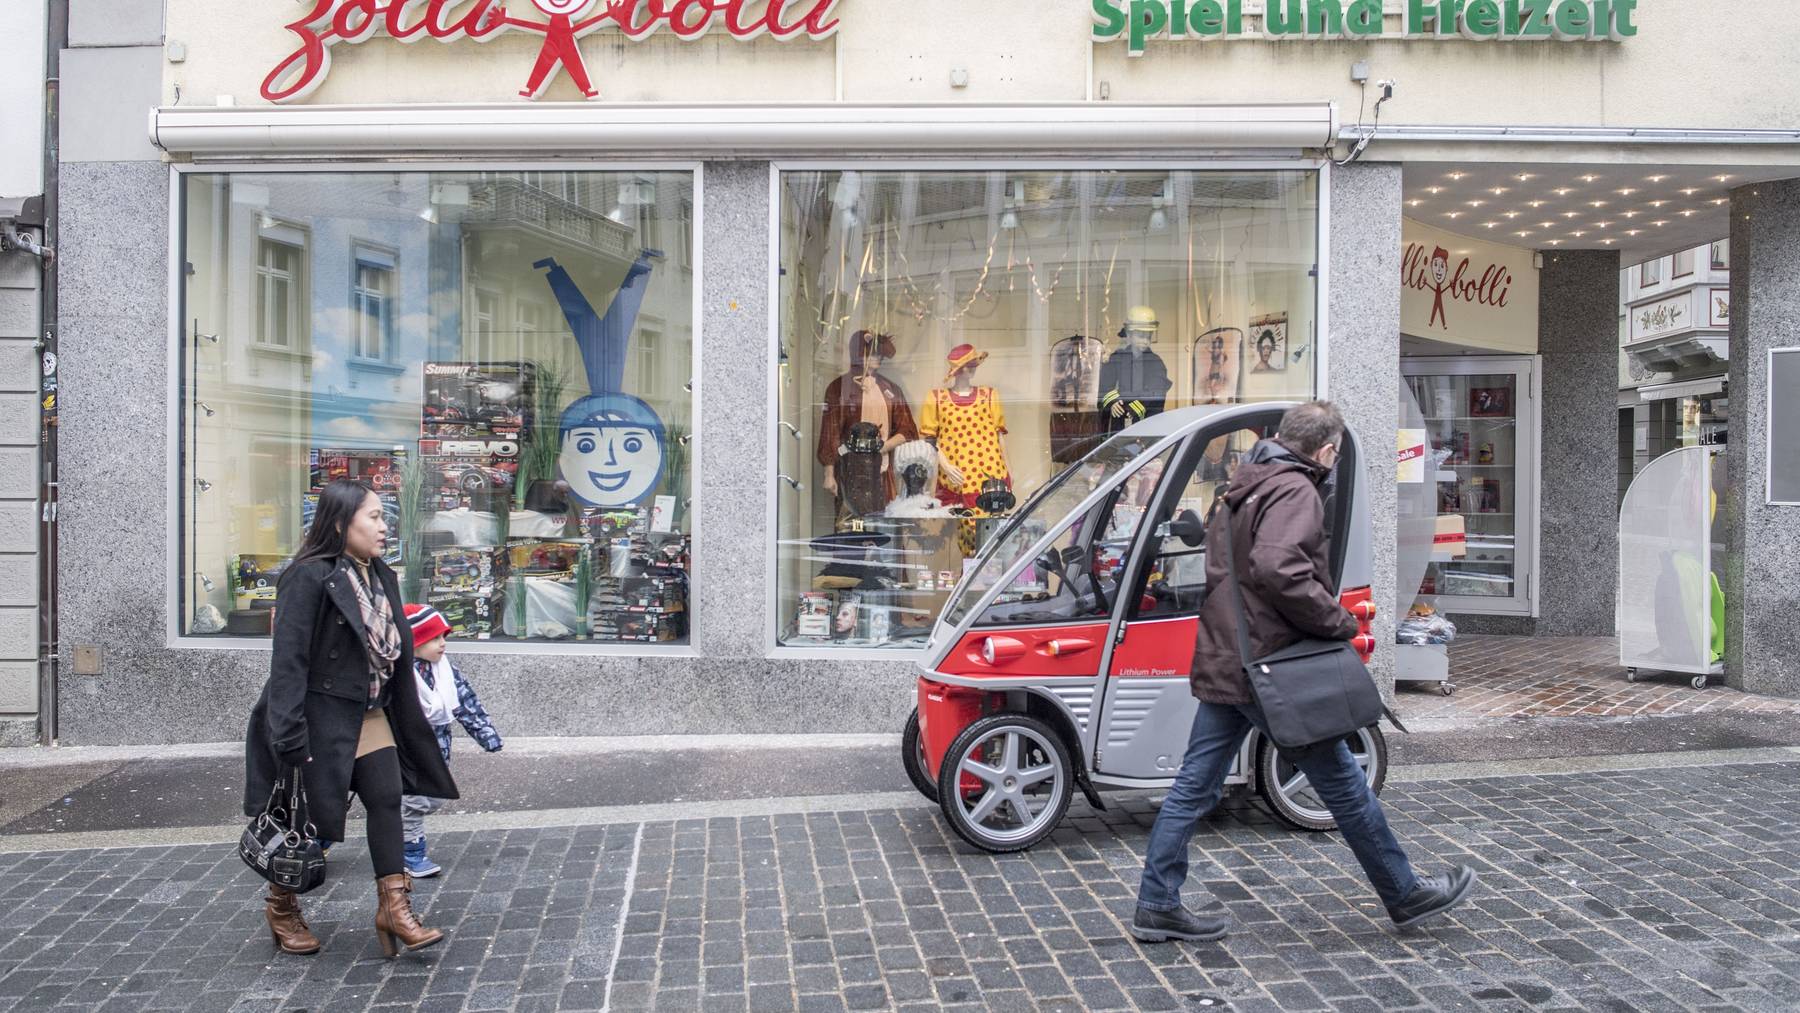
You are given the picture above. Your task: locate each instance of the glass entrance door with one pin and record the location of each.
(1481, 421)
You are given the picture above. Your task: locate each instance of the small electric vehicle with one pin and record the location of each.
(1060, 663)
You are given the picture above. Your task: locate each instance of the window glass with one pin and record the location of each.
(951, 341)
(1175, 583)
(1683, 264)
(503, 356)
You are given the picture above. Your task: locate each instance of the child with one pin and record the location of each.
(446, 696)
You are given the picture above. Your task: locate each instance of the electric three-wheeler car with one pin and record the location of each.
(1061, 660)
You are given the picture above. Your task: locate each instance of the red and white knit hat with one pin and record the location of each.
(428, 624)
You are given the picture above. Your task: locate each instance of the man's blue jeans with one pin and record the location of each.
(1212, 745)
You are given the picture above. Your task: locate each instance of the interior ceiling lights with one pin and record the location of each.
(1583, 207)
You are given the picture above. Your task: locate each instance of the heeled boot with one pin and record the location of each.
(395, 923)
(286, 925)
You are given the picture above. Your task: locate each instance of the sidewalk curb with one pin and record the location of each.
(800, 805)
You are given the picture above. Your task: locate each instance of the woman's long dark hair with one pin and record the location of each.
(338, 504)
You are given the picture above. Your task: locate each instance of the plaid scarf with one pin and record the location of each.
(383, 635)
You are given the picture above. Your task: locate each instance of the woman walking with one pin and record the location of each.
(333, 708)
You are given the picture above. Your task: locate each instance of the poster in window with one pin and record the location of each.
(1268, 343)
(1490, 402)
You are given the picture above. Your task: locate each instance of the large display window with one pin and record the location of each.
(951, 340)
(506, 357)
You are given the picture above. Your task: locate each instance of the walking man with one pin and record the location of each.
(1278, 532)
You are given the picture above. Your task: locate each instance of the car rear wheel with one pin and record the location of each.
(1294, 800)
(912, 756)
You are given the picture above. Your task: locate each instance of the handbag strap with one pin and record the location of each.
(1239, 614)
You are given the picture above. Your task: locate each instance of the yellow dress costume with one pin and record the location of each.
(967, 430)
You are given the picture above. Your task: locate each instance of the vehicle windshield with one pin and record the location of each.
(1050, 506)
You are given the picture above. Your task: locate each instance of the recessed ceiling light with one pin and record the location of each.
(1415, 202)
(1571, 214)
(1526, 232)
(1630, 214)
(1723, 178)
(1453, 214)
(1526, 177)
(1497, 191)
(1627, 191)
(1564, 191)
(1536, 203)
(1657, 179)
(1512, 214)
(1633, 232)
(1476, 203)
(1434, 190)
(1555, 242)
(1608, 242)
(1689, 213)
(1690, 191)
(1578, 235)
(1659, 224)
(1603, 225)
(1597, 203)
(1490, 225)
(1721, 200)
(1458, 176)
(1547, 225)
(1658, 203)
(1589, 178)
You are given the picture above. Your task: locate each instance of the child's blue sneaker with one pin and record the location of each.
(418, 864)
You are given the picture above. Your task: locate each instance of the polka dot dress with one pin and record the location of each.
(968, 431)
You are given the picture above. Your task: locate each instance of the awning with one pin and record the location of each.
(1086, 130)
(1686, 388)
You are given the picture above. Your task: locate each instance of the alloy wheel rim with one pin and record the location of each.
(1008, 805)
(1295, 790)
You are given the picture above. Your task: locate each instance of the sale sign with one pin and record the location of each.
(561, 23)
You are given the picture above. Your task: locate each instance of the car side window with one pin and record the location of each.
(1077, 577)
(1175, 582)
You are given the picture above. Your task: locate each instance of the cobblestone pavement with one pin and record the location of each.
(1675, 889)
(1563, 677)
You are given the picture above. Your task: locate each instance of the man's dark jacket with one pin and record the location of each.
(1278, 536)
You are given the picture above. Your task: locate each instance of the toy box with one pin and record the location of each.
(638, 627)
(813, 616)
(381, 470)
(468, 473)
(540, 557)
(475, 399)
(393, 552)
(253, 583)
(475, 616)
(466, 570)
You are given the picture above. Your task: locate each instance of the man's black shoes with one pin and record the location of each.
(1433, 896)
(1162, 926)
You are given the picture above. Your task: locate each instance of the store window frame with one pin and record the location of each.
(773, 648)
(180, 339)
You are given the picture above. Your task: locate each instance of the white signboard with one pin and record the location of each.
(1663, 317)
(1464, 291)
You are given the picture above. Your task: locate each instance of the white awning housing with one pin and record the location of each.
(1074, 130)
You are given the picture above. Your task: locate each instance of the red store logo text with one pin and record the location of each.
(1430, 271)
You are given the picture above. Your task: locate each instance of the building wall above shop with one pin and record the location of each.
(945, 51)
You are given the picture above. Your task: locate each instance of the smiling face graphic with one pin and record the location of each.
(611, 462)
(554, 7)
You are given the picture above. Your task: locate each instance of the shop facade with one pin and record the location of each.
(691, 399)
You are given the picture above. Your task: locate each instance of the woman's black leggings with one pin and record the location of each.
(376, 780)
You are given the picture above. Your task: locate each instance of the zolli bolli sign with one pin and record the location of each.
(1138, 21)
(561, 23)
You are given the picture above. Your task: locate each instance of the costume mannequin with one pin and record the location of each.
(969, 427)
(1134, 382)
(862, 481)
(1074, 397)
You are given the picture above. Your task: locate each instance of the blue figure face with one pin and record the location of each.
(612, 450)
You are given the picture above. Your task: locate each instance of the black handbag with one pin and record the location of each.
(280, 844)
(1309, 692)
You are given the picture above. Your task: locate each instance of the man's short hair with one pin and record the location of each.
(1309, 427)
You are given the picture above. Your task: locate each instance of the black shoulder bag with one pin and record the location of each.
(1311, 691)
(281, 844)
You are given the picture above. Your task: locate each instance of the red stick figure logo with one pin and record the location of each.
(560, 48)
(1440, 277)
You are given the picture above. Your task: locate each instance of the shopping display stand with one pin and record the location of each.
(1418, 546)
(1670, 606)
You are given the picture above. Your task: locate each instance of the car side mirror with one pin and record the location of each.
(1188, 527)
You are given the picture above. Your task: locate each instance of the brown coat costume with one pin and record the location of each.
(1278, 537)
(843, 409)
(318, 692)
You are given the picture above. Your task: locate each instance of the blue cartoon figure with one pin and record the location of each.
(611, 443)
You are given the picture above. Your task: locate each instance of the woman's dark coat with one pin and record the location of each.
(318, 691)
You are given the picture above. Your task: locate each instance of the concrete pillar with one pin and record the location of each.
(1762, 583)
(1578, 531)
(1363, 356)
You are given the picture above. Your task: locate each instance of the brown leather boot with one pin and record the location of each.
(286, 924)
(395, 923)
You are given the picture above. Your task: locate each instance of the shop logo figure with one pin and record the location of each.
(1440, 278)
(611, 450)
(560, 34)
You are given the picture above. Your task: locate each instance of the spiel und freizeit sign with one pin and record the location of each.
(1138, 21)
